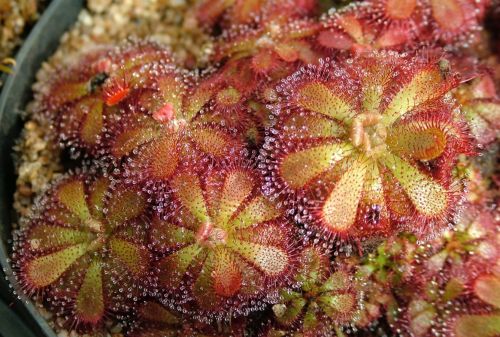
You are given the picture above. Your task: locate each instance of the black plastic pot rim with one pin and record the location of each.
(16, 92)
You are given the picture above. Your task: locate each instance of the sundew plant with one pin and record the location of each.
(324, 176)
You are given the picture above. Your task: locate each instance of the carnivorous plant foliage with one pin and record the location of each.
(86, 248)
(226, 201)
(365, 145)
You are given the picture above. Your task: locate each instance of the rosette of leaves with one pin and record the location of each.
(325, 301)
(82, 100)
(366, 145)
(179, 121)
(85, 249)
(455, 287)
(227, 249)
(390, 24)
